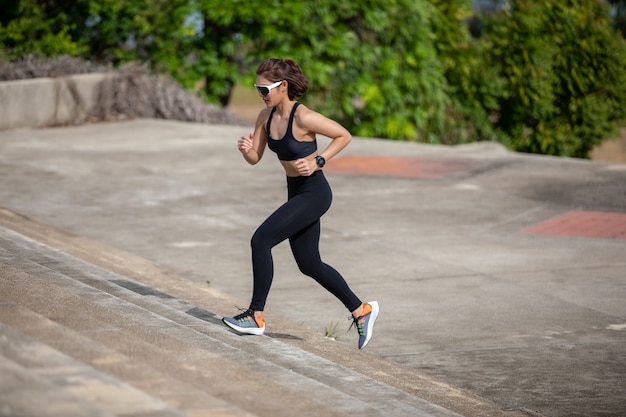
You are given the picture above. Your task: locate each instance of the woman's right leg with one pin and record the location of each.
(271, 232)
(295, 215)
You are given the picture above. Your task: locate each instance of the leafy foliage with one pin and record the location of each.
(27, 26)
(563, 72)
(377, 77)
(473, 87)
(545, 76)
(111, 31)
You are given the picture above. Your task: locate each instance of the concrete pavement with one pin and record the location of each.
(501, 277)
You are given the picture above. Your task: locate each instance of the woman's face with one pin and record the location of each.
(271, 92)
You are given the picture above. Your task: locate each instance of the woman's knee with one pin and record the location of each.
(261, 240)
(258, 240)
(310, 267)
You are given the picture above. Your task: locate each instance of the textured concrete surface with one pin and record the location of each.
(499, 317)
(47, 101)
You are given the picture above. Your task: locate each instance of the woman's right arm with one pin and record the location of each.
(253, 145)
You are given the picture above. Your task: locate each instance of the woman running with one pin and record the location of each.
(289, 129)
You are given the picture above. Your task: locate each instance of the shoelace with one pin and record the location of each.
(356, 323)
(246, 313)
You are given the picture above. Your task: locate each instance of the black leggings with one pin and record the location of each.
(299, 220)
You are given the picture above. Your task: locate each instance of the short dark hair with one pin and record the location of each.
(275, 69)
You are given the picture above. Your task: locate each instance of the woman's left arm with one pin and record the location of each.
(315, 123)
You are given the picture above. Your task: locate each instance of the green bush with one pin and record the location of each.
(563, 71)
(110, 32)
(26, 27)
(546, 76)
(372, 65)
(385, 78)
(473, 88)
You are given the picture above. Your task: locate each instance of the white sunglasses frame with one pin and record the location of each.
(269, 87)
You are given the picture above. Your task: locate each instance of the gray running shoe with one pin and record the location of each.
(365, 323)
(245, 323)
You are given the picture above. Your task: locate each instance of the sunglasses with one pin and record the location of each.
(265, 89)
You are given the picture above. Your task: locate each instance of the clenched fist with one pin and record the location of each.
(304, 167)
(245, 143)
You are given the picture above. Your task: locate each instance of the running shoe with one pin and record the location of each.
(245, 323)
(365, 323)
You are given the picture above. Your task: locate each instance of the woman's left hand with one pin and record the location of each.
(305, 167)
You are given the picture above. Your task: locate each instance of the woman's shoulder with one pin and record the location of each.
(264, 115)
(303, 113)
(307, 117)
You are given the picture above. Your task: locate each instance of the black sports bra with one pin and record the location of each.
(289, 148)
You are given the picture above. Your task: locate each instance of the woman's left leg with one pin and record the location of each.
(305, 249)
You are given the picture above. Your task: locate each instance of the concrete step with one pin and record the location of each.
(40, 381)
(174, 350)
(99, 330)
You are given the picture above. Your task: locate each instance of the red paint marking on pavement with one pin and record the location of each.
(583, 224)
(392, 166)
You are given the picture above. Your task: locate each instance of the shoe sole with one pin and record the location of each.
(370, 323)
(245, 330)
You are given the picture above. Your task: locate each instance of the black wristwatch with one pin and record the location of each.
(320, 161)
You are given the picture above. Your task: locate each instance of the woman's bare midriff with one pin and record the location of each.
(290, 166)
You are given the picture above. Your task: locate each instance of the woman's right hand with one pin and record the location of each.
(245, 143)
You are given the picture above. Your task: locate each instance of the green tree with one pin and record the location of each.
(372, 65)
(30, 26)
(563, 67)
(473, 87)
(547, 76)
(220, 47)
(155, 32)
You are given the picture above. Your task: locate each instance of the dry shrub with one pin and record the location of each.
(34, 66)
(130, 92)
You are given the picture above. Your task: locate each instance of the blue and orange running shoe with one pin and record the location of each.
(365, 323)
(245, 323)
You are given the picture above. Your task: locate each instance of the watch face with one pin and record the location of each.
(320, 161)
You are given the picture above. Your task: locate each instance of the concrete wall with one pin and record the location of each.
(42, 102)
